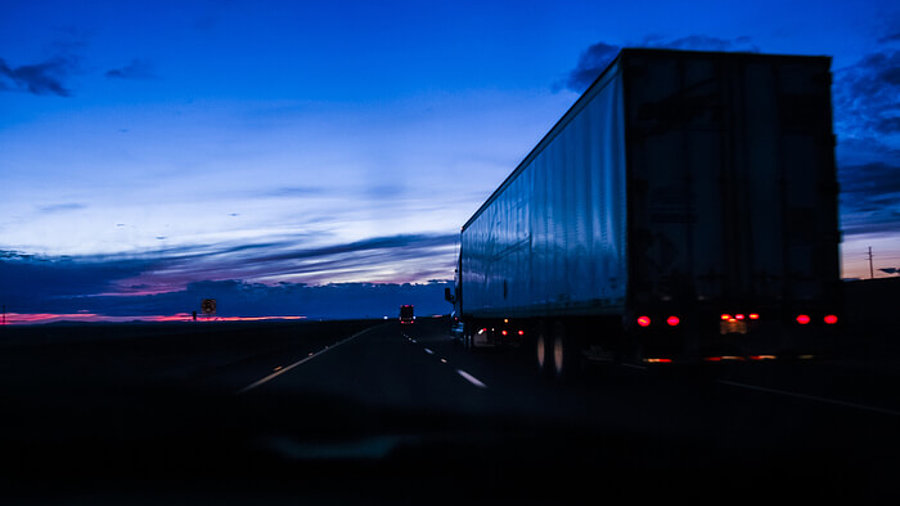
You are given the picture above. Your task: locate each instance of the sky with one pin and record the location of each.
(273, 154)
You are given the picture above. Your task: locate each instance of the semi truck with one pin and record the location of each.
(407, 314)
(683, 210)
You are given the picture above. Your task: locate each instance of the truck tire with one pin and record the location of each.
(542, 358)
(565, 356)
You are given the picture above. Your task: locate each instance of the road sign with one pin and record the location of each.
(208, 306)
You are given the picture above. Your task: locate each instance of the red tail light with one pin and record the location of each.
(739, 316)
(643, 321)
(521, 332)
(726, 316)
(802, 319)
(503, 332)
(673, 321)
(754, 316)
(831, 319)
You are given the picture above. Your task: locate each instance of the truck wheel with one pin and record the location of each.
(540, 349)
(565, 355)
(561, 353)
(469, 342)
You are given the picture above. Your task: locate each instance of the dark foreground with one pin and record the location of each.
(184, 414)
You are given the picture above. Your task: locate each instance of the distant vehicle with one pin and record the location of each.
(683, 210)
(407, 314)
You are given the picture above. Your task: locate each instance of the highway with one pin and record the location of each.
(377, 412)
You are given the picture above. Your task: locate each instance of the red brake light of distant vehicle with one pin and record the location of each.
(726, 316)
(739, 316)
(802, 319)
(754, 316)
(521, 332)
(643, 321)
(673, 321)
(831, 319)
(503, 332)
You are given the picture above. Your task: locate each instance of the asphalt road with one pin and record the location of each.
(382, 413)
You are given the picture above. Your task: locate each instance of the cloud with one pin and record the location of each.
(137, 69)
(867, 121)
(39, 79)
(870, 199)
(591, 63)
(400, 258)
(890, 38)
(150, 283)
(701, 43)
(852, 151)
(60, 208)
(32, 284)
(598, 56)
(870, 180)
(294, 191)
(865, 96)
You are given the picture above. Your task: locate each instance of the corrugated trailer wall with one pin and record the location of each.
(732, 190)
(727, 161)
(551, 239)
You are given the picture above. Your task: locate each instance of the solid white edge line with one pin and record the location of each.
(428, 351)
(471, 379)
(301, 361)
(812, 398)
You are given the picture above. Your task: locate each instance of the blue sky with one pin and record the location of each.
(149, 148)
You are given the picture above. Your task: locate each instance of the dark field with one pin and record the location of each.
(162, 414)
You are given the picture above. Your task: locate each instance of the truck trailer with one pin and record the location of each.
(683, 210)
(407, 314)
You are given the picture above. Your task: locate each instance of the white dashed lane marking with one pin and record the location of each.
(281, 370)
(471, 379)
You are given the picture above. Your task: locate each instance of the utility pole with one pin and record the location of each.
(871, 268)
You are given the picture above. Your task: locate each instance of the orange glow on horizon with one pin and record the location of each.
(38, 318)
